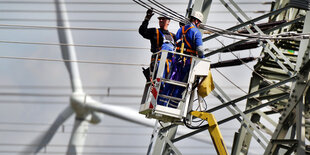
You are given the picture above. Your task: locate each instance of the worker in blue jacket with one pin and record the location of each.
(191, 38)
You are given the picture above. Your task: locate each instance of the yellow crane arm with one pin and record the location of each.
(214, 131)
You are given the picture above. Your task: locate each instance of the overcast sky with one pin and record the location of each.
(34, 92)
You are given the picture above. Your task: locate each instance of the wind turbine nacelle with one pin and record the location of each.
(78, 101)
(96, 117)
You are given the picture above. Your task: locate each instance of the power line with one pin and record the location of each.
(3, 86)
(58, 102)
(93, 146)
(251, 37)
(59, 27)
(78, 45)
(111, 132)
(100, 153)
(71, 125)
(69, 132)
(65, 95)
(84, 153)
(124, 3)
(65, 145)
(93, 126)
(65, 87)
(115, 11)
(64, 102)
(92, 20)
(249, 69)
(78, 61)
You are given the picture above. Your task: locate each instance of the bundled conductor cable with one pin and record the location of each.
(147, 6)
(177, 15)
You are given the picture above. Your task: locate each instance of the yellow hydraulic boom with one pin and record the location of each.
(214, 130)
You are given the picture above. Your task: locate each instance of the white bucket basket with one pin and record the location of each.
(150, 106)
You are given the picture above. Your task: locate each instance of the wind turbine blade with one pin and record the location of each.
(78, 136)
(133, 116)
(120, 112)
(67, 50)
(44, 139)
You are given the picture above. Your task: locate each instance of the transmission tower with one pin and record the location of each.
(279, 83)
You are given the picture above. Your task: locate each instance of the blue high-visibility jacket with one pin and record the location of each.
(192, 40)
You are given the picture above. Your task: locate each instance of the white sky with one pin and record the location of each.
(23, 118)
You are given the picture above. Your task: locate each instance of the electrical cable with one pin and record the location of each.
(200, 121)
(251, 37)
(216, 30)
(57, 102)
(66, 95)
(65, 145)
(88, 146)
(181, 17)
(110, 132)
(75, 3)
(111, 11)
(60, 27)
(69, 125)
(229, 33)
(68, 153)
(71, 20)
(77, 45)
(49, 87)
(203, 126)
(67, 87)
(172, 2)
(143, 4)
(261, 76)
(77, 61)
(92, 21)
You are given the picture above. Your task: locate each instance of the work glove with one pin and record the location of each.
(149, 14)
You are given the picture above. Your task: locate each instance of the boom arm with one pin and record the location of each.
(214, 130)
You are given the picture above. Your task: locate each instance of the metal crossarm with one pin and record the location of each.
(252, 94)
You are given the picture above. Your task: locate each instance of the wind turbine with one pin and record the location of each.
(85, 108)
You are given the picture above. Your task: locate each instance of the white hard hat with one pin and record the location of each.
(198, 15)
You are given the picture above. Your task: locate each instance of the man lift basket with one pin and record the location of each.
(150, 105)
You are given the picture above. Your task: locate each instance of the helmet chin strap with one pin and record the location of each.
(196, 22)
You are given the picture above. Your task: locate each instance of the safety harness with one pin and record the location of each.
(158, 48)
(183, 40)
(158, 31)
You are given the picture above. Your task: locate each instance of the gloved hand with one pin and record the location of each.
(149, 14)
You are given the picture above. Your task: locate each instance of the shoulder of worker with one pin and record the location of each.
(144, 23)
(188, 26)
(179, 33)
(194, 28)
(144, 27)
(147, 33)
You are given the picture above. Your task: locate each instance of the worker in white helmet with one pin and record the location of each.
(190, 36)
(189, 41)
